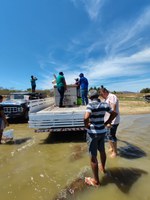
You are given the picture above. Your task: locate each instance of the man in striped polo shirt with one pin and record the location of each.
(94, 122)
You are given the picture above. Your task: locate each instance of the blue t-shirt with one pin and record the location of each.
(83, 83)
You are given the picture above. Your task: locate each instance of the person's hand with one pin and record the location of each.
(108, 126)
(88, 125)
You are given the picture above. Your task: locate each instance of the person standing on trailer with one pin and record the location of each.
(33, 83)
(61, 87)
(83, 88)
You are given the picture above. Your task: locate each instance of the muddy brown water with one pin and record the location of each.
(53, 166)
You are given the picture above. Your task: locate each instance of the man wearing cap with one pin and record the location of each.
(94, 122)
(83, 88)
(61, 87)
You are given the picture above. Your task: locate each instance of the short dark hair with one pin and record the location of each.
(61, 73)
(102, 88)
(81, 75)
(1, 97)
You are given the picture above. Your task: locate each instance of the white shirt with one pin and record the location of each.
(112, 99)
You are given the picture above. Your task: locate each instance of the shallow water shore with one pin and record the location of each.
(52, 166)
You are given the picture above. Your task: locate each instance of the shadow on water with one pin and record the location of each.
(124, 178)
(18, 141)
(65, 137)
(22, 140)
(130, 151)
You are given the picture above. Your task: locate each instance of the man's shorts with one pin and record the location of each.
(95, 142)
(112, 135)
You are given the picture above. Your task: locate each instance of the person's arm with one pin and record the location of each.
(54, 76)
(112, 116)
(86, 119)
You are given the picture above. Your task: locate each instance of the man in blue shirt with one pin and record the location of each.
(83, 88)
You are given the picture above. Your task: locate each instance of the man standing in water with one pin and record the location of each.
(94, 122)
(3, 120)
(113, 101)
(33, 83)
(61, 87)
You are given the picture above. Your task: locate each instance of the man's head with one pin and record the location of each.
(81, 75)
(61, 73)
(93, 94)
(103, 92)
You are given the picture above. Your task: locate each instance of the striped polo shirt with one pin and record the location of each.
(97, 110)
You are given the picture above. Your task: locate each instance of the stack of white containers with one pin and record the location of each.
(70, 96)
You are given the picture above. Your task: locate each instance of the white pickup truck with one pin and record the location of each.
(45, 115)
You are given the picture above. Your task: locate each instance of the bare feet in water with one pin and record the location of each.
(91, 182)
(113, 155)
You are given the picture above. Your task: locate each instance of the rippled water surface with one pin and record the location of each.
(47, 167)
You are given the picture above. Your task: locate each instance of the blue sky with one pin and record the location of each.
(107, 40)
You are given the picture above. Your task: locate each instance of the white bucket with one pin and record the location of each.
(9, 133)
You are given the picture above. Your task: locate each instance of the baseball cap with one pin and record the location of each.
(93, 93)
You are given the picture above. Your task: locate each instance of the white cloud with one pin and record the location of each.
(92, 7)
(128, 35)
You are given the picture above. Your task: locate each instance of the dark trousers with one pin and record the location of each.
(33, 88)
(61, 91)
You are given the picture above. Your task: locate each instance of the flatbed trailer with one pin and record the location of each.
(45, 116)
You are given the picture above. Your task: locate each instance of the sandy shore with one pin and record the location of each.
(134, 107)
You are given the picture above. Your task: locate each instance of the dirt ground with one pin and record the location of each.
(134, 107)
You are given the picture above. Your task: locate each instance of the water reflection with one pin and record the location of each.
(124, 178)
(78, 151)
(130, 151)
